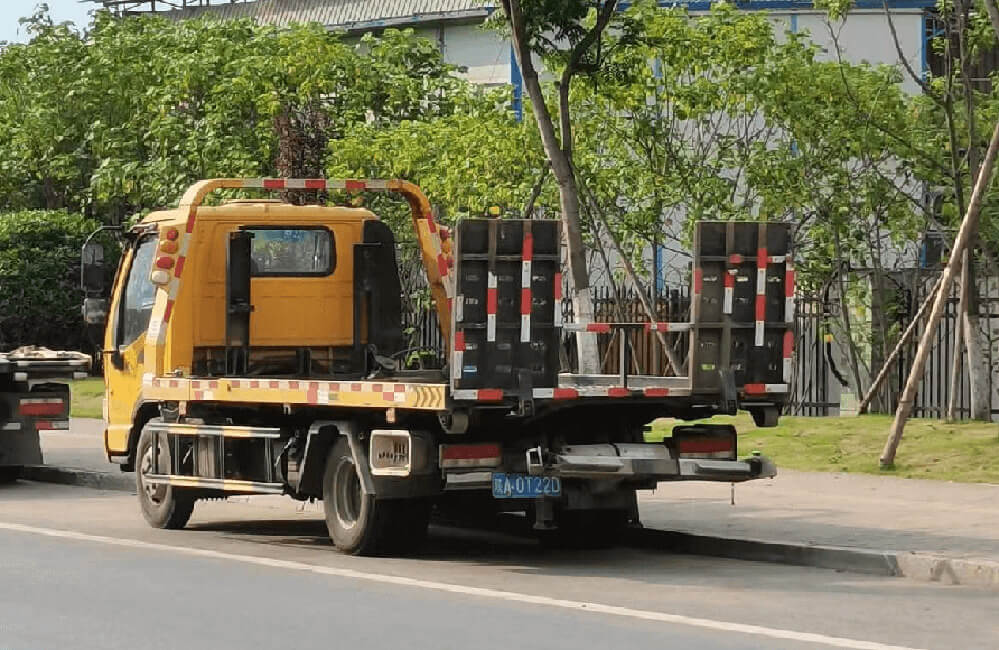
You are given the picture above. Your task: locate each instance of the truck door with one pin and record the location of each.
(131, 309)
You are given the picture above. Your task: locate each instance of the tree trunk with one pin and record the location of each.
(845, 312)
(589, 360)
(978, 367)
(958, 351)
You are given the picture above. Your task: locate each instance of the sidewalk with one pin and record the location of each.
(847, 510)
(929, 530)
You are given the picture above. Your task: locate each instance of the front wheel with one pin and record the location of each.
(361, 524)
(163, 506)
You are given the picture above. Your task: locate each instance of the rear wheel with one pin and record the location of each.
(361, 524)
(163, 506)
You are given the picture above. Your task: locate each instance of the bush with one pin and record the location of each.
(40, 294)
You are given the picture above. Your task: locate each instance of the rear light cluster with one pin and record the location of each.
(705, 441)
(36, 407)
(469, 456)
(169, 247)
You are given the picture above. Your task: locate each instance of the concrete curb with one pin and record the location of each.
(916, 566)
(81, 477)
(904, 564)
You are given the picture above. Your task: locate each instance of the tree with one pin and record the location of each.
(567, 33)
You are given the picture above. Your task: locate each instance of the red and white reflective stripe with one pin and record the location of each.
(557, 316)
(788, 354)
(479, 394)
(479, 455)
(525, 288)
(777, 259)
(789, 289)
(761, 294)
(761, 389)
(605, 328)
(349, 184)
(729, 291)
(459, 355)
(492, 300)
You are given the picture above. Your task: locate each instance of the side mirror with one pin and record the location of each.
(92, 271)
(95, 312)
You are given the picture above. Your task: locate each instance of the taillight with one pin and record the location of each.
(35, 407)
(705, 441)
(482, 455)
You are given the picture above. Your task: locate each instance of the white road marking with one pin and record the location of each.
(482, 592)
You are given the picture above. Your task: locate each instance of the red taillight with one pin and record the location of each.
(164, 262)
(482, 455)
(172, 234)
(705, 441)
(703, 446)
(38, 407)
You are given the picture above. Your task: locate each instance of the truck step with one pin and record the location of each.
(225, 485)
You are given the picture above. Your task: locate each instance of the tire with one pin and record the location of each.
(360, 524)
(163, 506)
(587, 529)
(9, 473)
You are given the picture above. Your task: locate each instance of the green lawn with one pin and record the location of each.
(88, 395)
(933, 449)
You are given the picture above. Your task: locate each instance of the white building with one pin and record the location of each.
(488, 58)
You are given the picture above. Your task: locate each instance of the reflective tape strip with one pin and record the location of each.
(657, 392)
(761, 295)
(459, 354)
(760, 389)
(479, 394)
(526, 299)
(491, 304)
(789, 289)
(11, 426)
(555, 393)
(698, 280)
(557, 314)
(776, 259)
(729, 291)
(788, 354)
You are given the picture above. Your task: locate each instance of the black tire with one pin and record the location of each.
(9, 473)
(586, 529)
(360, 524)
(163, 506)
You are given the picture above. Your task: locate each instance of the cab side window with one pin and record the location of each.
(140, 294)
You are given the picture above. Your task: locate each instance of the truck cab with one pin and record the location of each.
(257, 347)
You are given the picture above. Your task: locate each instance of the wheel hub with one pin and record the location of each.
(153, 492)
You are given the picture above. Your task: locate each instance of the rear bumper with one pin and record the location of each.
(643, 462)
(729, 471)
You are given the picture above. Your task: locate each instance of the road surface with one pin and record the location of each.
(80, 569)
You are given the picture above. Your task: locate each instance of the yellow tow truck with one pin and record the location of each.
(257, 347)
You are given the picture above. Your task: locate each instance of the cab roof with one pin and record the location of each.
(267, 209)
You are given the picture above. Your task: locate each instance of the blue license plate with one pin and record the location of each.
(521, 486)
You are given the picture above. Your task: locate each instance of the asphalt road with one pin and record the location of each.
(80, 569)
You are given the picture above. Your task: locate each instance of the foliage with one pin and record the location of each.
(121, 119)
(40, 293)
(467, 162)
(963, 451)
(723, 120)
